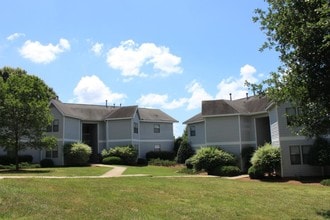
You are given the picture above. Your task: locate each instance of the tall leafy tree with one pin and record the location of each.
(24, 110)
(300, 32)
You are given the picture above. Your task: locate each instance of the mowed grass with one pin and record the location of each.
(58, 171)
(160, 198)
(153, 170)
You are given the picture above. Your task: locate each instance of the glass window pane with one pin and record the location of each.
(295, 155)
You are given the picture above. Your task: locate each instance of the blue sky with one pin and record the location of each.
(161, 54)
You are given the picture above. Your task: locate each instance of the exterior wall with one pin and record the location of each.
(57, 115)
(136, 120)
(119, 130)
(247, 129)
(146, 146)
(274, 127)
(72, 129)
(199, 138)
(222, 130)
(147, 131)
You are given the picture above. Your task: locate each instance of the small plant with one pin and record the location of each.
(77, 154)
(226, 171)
(47, 163)
(325, 182)
(208, 158)
(187, 171)
(113, 160)
(267, 159)
(128, 154)
(159, 162)
(163, 155)
(184, 152)
(189, 163)
(256, 173)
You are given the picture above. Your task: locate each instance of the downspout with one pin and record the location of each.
(240, 140)
(63, 140)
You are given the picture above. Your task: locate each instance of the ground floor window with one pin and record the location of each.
(299, 154)
(52, 153)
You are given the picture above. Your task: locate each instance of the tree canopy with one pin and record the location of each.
(24, 110)
(300, 32)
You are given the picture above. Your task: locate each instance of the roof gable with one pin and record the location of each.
(154, 115)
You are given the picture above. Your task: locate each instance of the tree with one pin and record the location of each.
(319, 154)
(299, 31)
(184, 152)
(25, 113)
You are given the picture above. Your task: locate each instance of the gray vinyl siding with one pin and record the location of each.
(57, 115)
(119, 129)
(146, 146)
(247, 129)
(222, 129)
(199, 138)
(284, 130)
(274, 128)
(136, 120)
(72, 129)
(147, 131)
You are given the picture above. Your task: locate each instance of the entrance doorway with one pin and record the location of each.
(263, 131)
(89, 137)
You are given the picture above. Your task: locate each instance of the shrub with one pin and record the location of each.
(128, 154)
(226, 171)
(208, 158)
(25, 158)
(247, 154)
(112, 160)
(325, 182)
(77, 154)
(6, 160)
(189, 163)
(187, 171)
(160, 162)
(142, 162)
(184, 152)
(46, 163)
(267, 159)
(163, 155)
(255, 173)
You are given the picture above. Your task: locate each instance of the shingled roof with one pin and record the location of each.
(101, 112)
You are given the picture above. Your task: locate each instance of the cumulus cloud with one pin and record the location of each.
(38, 53)
(235, 86)
(130, 58)
(97, 48)
(162, 101)
(15, 36)
(198, 94)
(90, 89)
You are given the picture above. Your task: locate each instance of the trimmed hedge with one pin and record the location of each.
(142, 162)
(185, 151)
(325, 182)
(47, 163)
(163, 155)
(128, 154)
(112, 160)
(160, 162)
(226, 171)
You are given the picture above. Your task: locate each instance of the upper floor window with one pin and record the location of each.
(192, 131)
(156, 128)
(291, 113)
(52, 153)
(136, 128)
(54, 126)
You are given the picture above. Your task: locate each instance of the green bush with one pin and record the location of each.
(267, 159)
(6, 160)
(325, 182)
(189, 163)
(186, 170)
(112, 160)
(163, 155)
(256, 173)
(46, 163)
(247, 154)
(185, 151)
(141, 162)
(160, 162)
(226, 171)
(208, 158)
(77, 154)
(177, 144)
(128, 154)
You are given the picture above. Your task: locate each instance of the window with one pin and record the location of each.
(299, 154)
(156, 128)
(157, 147)
(295, 155)
(52, 153)
(192, 131)
(136, 128)
(55, 125)
(291, 114)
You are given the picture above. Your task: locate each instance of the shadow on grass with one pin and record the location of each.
(324, 213)
(23, 171)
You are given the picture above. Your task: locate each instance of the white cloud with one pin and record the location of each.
(97, 48)
(38, 53)
(15, 36)
(90, 89)
(235, 86)
(198, 94)
(130, 58)
(157, 100)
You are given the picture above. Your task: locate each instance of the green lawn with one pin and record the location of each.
(57, 171)
(153, 170)
(160, 198)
